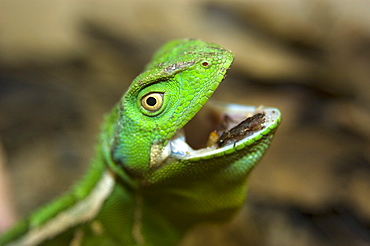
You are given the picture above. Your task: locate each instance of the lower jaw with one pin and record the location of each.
(213, 114)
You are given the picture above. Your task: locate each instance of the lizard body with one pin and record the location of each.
(146, 185)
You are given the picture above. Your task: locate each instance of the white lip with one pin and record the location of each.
(177, 148)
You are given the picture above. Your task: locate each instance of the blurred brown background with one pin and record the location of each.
(63, 64)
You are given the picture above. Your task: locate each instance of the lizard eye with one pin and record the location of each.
(152, 101)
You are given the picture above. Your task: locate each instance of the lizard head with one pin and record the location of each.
(174, 86)
(149, 121)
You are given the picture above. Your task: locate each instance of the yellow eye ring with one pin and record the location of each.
(152, 101)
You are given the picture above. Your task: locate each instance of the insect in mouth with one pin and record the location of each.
(247, 126)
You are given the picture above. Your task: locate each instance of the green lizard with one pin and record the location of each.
(146, 185)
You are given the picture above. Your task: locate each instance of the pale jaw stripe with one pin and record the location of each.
(81, 212)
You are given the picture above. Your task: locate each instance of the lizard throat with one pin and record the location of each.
(236, 127)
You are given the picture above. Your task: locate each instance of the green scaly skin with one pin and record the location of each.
(144, 186)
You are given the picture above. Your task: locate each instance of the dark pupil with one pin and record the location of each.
(151, 101)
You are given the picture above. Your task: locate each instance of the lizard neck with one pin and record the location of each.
(128, 217)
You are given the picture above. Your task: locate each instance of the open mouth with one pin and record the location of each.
(235, 127)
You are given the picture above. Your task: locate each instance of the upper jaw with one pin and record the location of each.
(178, 149)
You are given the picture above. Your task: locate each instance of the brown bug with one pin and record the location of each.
(250, 124)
